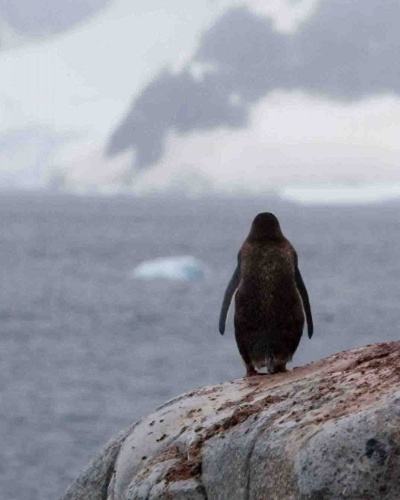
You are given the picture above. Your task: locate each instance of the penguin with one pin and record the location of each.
(271, 299)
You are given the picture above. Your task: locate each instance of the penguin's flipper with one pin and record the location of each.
(229, 293)
(306, 301)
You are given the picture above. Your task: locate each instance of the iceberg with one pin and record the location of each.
(179, 268)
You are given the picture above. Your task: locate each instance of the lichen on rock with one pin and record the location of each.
(329, 430)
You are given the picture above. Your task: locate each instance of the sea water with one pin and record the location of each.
(86, 348)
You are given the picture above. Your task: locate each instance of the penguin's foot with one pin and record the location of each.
(279, 369)
(251, 372)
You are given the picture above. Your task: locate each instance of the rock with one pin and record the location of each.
(329, 430)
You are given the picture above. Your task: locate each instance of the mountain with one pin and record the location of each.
(344, 52)
(231, 95)
(77, 84)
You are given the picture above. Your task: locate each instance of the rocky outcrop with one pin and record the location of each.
(329, 430)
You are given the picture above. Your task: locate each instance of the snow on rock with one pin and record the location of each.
(326, 431)
(180, 268)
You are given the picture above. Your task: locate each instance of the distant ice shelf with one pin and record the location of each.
(179, 268)
(341, 194)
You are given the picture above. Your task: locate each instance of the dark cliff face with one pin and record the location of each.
(345, 51)
(44, 17)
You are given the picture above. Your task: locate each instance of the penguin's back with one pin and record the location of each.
(268, 276)
(269, 316)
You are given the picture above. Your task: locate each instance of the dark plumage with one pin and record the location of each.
(270, 300)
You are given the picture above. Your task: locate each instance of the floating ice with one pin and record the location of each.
(179, 268)
(357, 194)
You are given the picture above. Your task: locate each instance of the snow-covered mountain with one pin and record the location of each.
(77, 84)
(343, 53)
(235, 95)
(26, 156)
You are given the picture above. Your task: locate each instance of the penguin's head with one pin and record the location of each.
(266, 227)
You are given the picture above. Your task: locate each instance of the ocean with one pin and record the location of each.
(86, 348)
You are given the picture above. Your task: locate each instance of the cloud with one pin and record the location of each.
(43, 17)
